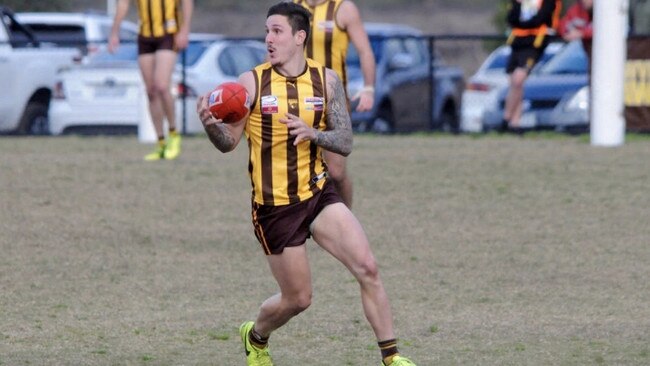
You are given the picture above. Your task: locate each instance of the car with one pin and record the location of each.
(106, 94)
(403, 101)
(28, 73)
(218, 62)
(564, 73)
(87, 31)
(571, 114)
(483, 86)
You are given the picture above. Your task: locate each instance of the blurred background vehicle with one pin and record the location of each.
(571, 114)
(104, 95)
(565, 73)
(402, 88)
(482, 89)
(210, 63)
(28, 71)
(87, 31)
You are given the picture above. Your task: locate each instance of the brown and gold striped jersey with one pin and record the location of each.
(280, 172)
(159, 17)
(327, 44)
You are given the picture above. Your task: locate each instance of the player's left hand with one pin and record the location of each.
(298, 127)
(366, 99)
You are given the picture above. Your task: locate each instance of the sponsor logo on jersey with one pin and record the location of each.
(269, 104)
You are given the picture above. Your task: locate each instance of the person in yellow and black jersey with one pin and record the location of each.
(531, 22)
(164, 30)
(336, 23)
(298, 110)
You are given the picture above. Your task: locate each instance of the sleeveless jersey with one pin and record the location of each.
(280, 172)
(327, 44)
(159, 17)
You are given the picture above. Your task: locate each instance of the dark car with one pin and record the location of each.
(565, 73)
(402, 87)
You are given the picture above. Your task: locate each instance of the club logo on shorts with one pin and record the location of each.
(269, 104)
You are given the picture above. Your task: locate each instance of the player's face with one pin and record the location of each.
(280, 42)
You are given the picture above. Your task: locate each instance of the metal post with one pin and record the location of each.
(432, 81)
(184, 90)
(608, 72)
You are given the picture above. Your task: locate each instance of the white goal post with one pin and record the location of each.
(609, 52)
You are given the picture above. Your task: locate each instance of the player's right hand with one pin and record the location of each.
(206, 117)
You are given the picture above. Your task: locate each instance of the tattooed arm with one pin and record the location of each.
(338, 136)
(224, 137)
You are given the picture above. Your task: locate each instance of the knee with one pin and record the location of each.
(367, 271)
(517, 84)
(299, 303)
(157, 90)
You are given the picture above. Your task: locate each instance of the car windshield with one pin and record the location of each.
(572, 59)
(129, 52)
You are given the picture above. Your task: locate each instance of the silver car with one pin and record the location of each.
(107, 94)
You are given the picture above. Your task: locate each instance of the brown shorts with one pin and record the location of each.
(277, 227)
(153, 44)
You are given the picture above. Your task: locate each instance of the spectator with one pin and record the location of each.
(531, 22)
(576, 24)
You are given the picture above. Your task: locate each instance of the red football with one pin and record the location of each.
(229, 102)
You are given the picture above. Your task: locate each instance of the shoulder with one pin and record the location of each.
(331, 77)
(247, 79)
(347, 14)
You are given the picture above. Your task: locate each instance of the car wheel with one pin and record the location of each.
(35, 120)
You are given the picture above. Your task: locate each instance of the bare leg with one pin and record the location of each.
(291, 271)
(147, 63)
(337, 169)
(339, 232)
(513, 108)
(165, 63)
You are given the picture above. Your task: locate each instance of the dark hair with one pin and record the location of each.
(297, 15)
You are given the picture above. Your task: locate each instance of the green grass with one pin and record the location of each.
(494, 250)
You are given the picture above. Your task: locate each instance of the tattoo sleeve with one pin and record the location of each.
(338, 136)
(221, 138)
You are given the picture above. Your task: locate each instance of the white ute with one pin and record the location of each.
(28, 71)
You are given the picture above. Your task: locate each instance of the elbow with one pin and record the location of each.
(223, 149)
(346, 149)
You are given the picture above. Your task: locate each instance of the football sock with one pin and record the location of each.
(257, 340)
(172, 131)
(388, 350)
(161, 141)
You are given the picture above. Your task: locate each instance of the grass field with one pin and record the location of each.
(495, 250)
